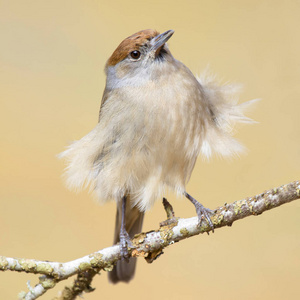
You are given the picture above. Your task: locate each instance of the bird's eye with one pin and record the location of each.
(135, 54)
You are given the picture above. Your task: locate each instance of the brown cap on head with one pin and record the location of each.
(133, 42)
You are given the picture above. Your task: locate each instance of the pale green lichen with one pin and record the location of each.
(249, 202)
(48, 283)
(238, 207)
(27, 265)
(96, 260)
(166, 234)
(139, 238)
(44, 268)
(84, 266)
(217, 219)
(184, 231)
(108, 268)
(3, 263)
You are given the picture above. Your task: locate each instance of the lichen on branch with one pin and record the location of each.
(148, 245)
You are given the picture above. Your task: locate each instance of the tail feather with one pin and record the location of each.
(124, 271)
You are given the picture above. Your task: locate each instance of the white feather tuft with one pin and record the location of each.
(80, 157)
(225, 114)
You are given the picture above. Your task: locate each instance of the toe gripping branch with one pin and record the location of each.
(125, 240)
(202, 212)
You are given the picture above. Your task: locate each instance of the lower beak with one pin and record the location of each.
(161, 39)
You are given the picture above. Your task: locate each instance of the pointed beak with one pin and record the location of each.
(160, 40)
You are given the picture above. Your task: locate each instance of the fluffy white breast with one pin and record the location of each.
(150, 132)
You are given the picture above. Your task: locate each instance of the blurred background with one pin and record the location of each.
(52, 57)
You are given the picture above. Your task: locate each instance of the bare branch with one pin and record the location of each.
(148, 245)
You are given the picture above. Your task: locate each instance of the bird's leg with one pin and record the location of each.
(124, 236)
(202, 212)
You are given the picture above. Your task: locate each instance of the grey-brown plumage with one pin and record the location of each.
(155, 119)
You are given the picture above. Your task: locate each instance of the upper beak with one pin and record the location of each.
(161, 39)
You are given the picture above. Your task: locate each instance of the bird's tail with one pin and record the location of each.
(223, 114)
(124, 271)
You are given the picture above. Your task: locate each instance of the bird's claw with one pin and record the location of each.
(125, 242)
(204, 213)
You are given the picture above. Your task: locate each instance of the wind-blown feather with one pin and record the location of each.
(226, 112)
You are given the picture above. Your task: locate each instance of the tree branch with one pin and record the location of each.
(148, 245)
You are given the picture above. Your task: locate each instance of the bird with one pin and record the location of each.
(155, 119)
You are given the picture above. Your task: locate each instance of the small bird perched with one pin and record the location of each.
(155, 119)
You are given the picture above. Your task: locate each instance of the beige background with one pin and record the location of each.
(52, 56)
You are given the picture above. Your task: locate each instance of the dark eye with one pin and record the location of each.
(135, 54)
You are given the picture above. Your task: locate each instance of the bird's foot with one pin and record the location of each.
(203, 213)
(125, 242)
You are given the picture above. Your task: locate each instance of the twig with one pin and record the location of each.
(81, 284)
(148, 245)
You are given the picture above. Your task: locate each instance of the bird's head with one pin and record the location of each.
(137, 57)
